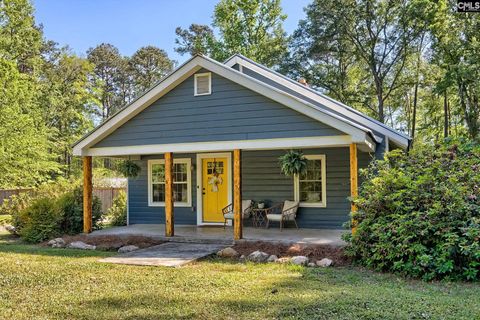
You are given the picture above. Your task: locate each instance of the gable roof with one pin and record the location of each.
(338, 107)
(358, 132)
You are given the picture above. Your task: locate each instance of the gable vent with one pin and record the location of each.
(203, 84)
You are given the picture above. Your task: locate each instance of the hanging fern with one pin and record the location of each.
(129, 169)
(293, 162)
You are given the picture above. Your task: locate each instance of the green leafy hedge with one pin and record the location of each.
(419, 214)
(51, 210)
(118, 211)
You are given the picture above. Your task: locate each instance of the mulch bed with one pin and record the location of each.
(112, 243)
(313, 252)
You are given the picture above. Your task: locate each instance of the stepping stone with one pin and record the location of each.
(170, 254)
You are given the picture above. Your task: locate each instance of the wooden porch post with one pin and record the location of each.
(353, 179)
(237, 195)
(87, 194)
(169, 231)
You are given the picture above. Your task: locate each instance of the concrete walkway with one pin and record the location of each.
(219, 235)
(167, 254)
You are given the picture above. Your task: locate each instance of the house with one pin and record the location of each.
(235, 119)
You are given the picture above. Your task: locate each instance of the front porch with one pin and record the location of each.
(217, 234)
(173, 191)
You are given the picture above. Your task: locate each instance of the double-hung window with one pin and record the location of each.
(182, 180)
(310, 187)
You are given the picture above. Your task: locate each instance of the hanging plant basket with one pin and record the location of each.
(293, 163)
(129, 169)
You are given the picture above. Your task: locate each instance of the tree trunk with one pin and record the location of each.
(445, 115)
(415, 94)
(414, 112)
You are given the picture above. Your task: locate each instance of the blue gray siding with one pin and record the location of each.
(261, 180)
(231, 112)
(140, 212)
(380, 146)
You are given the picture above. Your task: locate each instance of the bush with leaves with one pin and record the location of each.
(118, 211)
(62, 204)
(40, 221)
(419, 214)
(71, 206)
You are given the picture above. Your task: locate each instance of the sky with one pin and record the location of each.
(129, 25)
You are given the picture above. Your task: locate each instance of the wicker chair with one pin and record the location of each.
(247, 206)
(283, 212)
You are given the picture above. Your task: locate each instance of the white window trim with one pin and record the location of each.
(188, 161)
(323, 203)
(209, 74)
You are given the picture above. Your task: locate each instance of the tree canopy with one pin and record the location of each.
(413, 64)
(252, 28)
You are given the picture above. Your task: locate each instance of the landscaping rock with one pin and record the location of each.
(242, 258)
(57, 243)
(272, 258)
(258, 256)
(311, 265)
(126, 249)
(227, 253)
(299, 260)
(283, 260)
(325, 262)
(109, 246)
(11, 229)
(81, 245)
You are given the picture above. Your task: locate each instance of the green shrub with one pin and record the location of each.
(40, 220)
(419, 214)
(5, 219)
(63, 205)
(118, 211)
(71, 206)
(14, 205)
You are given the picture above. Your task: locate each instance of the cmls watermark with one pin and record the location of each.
(468, 6)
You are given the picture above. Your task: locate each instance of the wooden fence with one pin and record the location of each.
(106, 195)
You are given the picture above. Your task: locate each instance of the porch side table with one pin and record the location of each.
(259, 217)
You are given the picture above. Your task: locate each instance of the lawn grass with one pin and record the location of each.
(44, 283)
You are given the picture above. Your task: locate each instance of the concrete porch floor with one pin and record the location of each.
(217, 234)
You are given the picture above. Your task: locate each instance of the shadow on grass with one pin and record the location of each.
(32, 249)
(13, 244)
(356, 293)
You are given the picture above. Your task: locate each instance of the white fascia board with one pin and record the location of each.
(215, 146)
(327, 101)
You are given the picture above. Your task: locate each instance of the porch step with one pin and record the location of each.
(180, 239)
(166, 254)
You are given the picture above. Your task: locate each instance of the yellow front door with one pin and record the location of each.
(214, 188)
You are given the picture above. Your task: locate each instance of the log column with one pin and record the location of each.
(87, 194)
(353, 180)
(169, 231)
(237, 195)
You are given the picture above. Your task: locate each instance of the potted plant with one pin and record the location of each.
(293, 163)
(261, 204)
(129, 169)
